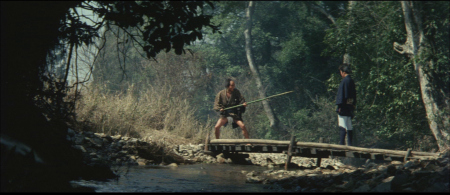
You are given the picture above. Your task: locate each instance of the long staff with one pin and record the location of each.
(259, 100)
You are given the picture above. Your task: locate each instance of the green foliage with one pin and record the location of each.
(389, 100)
(296, 47)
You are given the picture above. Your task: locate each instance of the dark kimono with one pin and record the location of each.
(346, 97)
(222, 101)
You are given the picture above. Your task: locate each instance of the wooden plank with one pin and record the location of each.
(377, 156)
(320, 145)
(238, 148)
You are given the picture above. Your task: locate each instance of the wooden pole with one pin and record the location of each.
(206, 141)
(289, 153)
(258, 100)
(319, 160)
(408, 153)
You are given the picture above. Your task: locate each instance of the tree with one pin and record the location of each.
(274, 121)
(32, 31)
(416, 46)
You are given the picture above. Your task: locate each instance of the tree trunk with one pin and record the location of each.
(414, 47)
(274, 122)
(351, 4)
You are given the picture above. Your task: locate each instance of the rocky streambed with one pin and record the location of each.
(334, 175)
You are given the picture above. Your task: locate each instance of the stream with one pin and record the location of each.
(184, 178)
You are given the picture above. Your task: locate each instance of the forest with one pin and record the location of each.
(153, 69)
(295, 46)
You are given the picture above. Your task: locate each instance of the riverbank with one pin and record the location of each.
(334, 175)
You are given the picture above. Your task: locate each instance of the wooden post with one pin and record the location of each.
(206, 141)
(408, 153)
(289, 153)
(319, 160)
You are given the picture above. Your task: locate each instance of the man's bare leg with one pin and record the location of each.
(219, 124)
(244, 130)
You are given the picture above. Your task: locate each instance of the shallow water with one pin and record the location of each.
(184, 178)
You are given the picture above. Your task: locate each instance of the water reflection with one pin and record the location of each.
(184, 178)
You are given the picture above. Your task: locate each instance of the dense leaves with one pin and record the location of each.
(298, 46)
(38, 34)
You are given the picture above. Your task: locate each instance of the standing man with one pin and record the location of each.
(228, 97)
(346, 101)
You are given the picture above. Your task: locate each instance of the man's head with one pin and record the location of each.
(344, 70)
(229, 84)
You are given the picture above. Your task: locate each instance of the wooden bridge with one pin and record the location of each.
(233, 148)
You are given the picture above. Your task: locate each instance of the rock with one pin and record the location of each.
(363, 188)
(116, 137)
(437, 188)
(79, 140)
(80, 147)
(383, 187)
(106, 140)
(173, 165)
(70, 132)
(133, 141)
(390, 170)
(254, 179)
(396, 162)
(408, 190)
(221, 160)
(399, 179)
(100, 135)
(141, 162)
(409, 164)
(330, 167)
(389, 179)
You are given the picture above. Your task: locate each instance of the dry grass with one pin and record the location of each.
(155, 114)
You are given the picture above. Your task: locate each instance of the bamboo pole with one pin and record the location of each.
(258, 100)
(320, 145)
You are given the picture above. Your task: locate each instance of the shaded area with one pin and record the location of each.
(29, 32)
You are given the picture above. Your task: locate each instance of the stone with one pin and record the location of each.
(255, 179)
(80, 147)
(395, 162)
(70, 132)
(172, 165)
(408, 190)
(383, 187)
(399, 179)
(389, 179)
(390, 170)
(116, 137)
(409, 164)
(100, 135)
(221, 160)
(79, 140)
(141, 161)
(329, 167)
(133, 141)
(363, 188)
